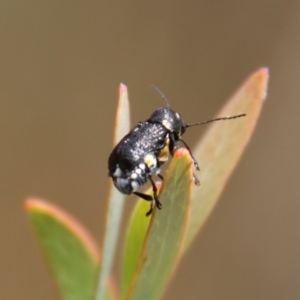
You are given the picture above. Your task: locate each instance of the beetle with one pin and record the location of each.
(140, 154)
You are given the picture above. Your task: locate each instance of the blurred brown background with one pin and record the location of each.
(60, 65)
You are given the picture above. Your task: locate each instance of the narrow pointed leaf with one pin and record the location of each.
(136, 234)
(166, 233)
(70, 252)
(222, 146)
(116, 199)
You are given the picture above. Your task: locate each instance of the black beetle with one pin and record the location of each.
(140, 154)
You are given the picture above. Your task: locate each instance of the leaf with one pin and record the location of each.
(166, 233)
(136, 233)
(70, 252)
(116, 199)
(221, 148)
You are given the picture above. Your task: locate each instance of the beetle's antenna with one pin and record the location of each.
(216, 119)
(161, 94)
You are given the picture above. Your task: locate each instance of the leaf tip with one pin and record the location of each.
(264, 71)
(32, 203)
(263, 75)
(180, 152)
(28, 204)
(266, 74)
(122, 88)
(39, 205)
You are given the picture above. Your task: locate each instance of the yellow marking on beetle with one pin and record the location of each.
(150, 160)
(164, 153)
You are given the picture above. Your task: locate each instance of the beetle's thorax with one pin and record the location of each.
(170, 119)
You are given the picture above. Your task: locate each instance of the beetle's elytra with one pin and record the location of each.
(140, 154)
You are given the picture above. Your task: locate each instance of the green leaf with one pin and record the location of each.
(70, 252)
(165, 235)
(222, 146)
(218, 154)
(116, 199)
(135, 237)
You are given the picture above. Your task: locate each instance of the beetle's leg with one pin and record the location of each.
(147, 198)
(149, 212)
(173, 144)
(154, 199)
(158, 164)
(144, 196)
(192, 156)
(173, 147)
(196, 180)
(157, 202)
(160, 176)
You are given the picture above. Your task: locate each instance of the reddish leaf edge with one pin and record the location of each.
(260, 77)
(178, 153)
(113, 217)
(36, 204)
(141, 258)
(32, 204)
